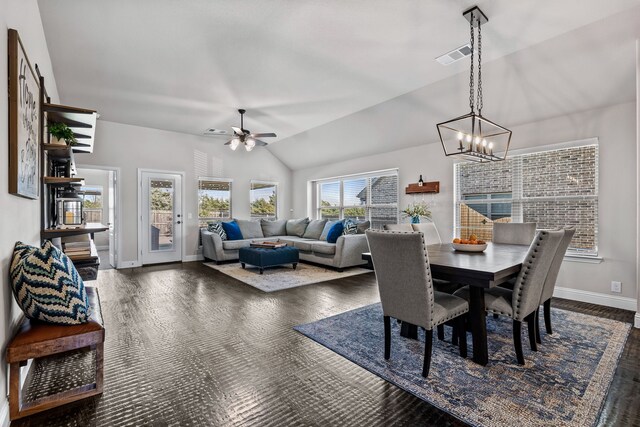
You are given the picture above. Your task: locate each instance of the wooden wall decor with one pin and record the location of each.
(24, 122)
(427, 187)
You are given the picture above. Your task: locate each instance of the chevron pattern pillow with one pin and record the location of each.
(350, 227)
(216, 227)
(47, 286)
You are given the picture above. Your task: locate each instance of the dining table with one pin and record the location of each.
(479, 270)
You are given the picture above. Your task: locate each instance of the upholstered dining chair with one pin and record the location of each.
(552, 276)
(401, 265)
(431, 235)
(514, 233)
(521, 303)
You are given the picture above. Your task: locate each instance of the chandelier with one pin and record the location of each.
(473, 136)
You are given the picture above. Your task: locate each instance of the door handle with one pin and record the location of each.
(179, 222)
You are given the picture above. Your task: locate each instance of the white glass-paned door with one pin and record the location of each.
(161, 217)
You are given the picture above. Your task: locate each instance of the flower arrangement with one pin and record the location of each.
(415, 211)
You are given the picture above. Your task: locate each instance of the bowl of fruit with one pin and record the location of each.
(472, 244)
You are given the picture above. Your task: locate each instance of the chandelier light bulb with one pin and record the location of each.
(484, 142)
(468, 138)
(477, 140)
(491, 146)
(460, 136)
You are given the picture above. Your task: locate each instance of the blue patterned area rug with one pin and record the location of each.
(563, 384)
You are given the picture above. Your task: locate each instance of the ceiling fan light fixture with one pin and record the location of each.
(473, 136)
(250, 142)
(249, 147)
(234, 143)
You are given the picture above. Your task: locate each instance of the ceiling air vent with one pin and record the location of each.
(214, 131)
(455, 55)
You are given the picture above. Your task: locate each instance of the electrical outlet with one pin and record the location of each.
(616, 287)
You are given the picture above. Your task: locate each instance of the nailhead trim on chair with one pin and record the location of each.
(523, 278)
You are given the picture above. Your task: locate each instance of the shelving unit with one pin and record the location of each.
(59, 160)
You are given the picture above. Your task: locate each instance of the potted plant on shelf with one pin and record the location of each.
(415, 211)
(61, 134)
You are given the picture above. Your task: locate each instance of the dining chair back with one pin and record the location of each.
(531, 279)
(431, 235)
(552, 276)
(514, 233)
(401, 264)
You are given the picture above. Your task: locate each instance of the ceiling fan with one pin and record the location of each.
(244, 136)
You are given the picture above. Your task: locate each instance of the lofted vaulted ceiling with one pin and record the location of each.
(298, 65)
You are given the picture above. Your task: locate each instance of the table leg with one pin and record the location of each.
(409, 330)
(478, 321)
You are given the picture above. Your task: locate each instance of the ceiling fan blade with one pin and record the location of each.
(264, 135)
(260, 143)
(228, 142)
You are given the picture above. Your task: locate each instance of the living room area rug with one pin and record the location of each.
(284, 277)
(563, 384)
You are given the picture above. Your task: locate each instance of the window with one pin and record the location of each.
(214, 200)
(92, 203)
(553, 188)
(263, 198)
(372, 197)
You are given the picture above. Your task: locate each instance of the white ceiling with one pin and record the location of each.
(296, 65)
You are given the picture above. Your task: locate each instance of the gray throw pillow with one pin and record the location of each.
(297, 227)
(249, 229)
(363, 226)
(327, 227)
(274, 227)
(314, 229)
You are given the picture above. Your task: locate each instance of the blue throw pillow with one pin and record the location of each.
(46, 285)
(335, 232)
(232, 230)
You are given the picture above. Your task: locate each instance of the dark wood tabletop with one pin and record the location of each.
(497, 264)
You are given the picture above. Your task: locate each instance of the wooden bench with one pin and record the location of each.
(36, 340)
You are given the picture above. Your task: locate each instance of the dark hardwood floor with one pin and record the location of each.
(187, 345)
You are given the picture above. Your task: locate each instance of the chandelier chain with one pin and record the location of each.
(471, 76)
(479, 99)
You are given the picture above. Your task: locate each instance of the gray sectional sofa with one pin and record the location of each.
(309, 237)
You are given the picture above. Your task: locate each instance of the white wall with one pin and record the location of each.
(615, 127)
(132, 147)
(20, 218)
(99, 177)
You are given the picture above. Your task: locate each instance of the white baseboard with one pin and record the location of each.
(129, 264)
(4, 413)
(191, 258)
(624, 303)
(637, 320)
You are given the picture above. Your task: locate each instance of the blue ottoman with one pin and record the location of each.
(268, 257)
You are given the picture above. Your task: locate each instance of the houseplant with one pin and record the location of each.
(62, 133)
(415, 211)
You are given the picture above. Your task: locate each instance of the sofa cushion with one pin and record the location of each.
(234, 245)
(324, 248)
(314, 229)
(232, 230)
(216, 227)
(273, 227)
(47, 286)
(335, 232)
(327, 227)
(398, 227)
(249, 229)
(363, 226)
(304, 245)
(350, 227)
(297, 227)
